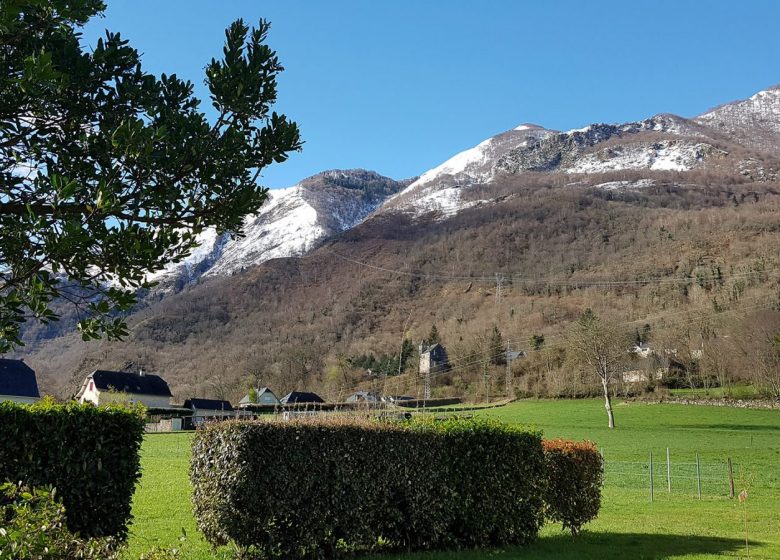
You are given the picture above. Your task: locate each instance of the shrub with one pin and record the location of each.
(574, 477)
(89, 454)
(32, 527)
(317, 488)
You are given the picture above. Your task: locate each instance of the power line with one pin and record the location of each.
(521, 279)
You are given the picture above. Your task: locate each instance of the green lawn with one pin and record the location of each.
(676, 525)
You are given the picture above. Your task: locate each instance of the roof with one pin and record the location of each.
(301, 397)
(208, 404)
(133, 383)
(260, 392)
(431, 348)
(17, 379)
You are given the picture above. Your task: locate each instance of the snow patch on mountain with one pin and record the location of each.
(285, 227)
(625, 185)
(667, 155)
(444, 202)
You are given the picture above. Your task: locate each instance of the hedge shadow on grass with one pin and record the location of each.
(599, 546)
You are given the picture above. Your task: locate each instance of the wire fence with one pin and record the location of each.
(663, 473)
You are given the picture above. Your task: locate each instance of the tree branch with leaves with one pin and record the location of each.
(108, 173)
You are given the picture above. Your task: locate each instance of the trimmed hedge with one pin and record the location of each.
(89, 454)
(313, 489)
(575, 472)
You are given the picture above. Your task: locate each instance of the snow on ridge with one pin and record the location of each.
(287, 226)
(616, 185)
(446, 202)
(662, 156)
(456, 164)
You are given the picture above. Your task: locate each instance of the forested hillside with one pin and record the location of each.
(691, 255)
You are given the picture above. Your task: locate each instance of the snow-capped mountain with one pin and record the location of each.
(754, 121)
(742, 137)
(290, 223)
(661, 143)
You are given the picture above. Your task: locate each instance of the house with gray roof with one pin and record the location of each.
(261, 396)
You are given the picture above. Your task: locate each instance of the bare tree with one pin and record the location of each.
(601, 349)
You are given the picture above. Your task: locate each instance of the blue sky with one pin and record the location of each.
(399, 86)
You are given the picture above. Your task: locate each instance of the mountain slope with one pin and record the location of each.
(290, 224)
(639, 221)
(754, 121)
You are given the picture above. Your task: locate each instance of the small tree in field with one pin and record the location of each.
(601, 349)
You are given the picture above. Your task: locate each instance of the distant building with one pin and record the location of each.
(364, 397)
(102, 387)
(433, 359)
(263, 395)
(296, 397)
(17, 382)
(209, 408)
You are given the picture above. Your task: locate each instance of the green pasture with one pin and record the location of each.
(673, 525)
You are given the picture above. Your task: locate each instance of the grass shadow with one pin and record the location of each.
(597, 546)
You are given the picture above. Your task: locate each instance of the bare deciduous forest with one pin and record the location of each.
(690, 262)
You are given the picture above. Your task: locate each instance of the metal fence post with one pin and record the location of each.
(698, 475)
(668, 471)
(651, 475)
(731, 478)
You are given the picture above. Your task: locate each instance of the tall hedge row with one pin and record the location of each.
(89, 454)
(316, 488)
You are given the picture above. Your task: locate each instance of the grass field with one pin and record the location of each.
(676, 525)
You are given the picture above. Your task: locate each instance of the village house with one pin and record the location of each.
(102, 387)
(297, 397)
(364, 397)
(17, 382)
(263, 396)
(209, 408)
(433, 358)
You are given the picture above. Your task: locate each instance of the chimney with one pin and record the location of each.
(141, 372)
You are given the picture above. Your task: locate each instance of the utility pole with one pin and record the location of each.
(499, 286)
(485, 379)
(427, 385)
(508, 372)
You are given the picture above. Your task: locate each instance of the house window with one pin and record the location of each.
(91, 386)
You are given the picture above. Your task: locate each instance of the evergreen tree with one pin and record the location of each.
(496, 347)
(537, 341)
(433, 336)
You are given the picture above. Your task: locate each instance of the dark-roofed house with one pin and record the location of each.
(433, 359)
(263, 395)
(17, 382)
(101, 387)
(301, 397)
(209, 407)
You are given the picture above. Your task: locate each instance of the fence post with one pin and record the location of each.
(651, 475)
(668, 471)
(731, 478)
(698, 475)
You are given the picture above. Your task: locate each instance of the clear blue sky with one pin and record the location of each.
(398, 86)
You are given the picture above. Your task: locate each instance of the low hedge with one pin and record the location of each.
(313, 489)
(575, 472)
(89, 454)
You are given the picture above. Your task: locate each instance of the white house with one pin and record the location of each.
(263, 395)
(102, 387)
(17, 382)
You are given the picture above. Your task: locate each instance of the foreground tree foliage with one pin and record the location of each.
(108, 173)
